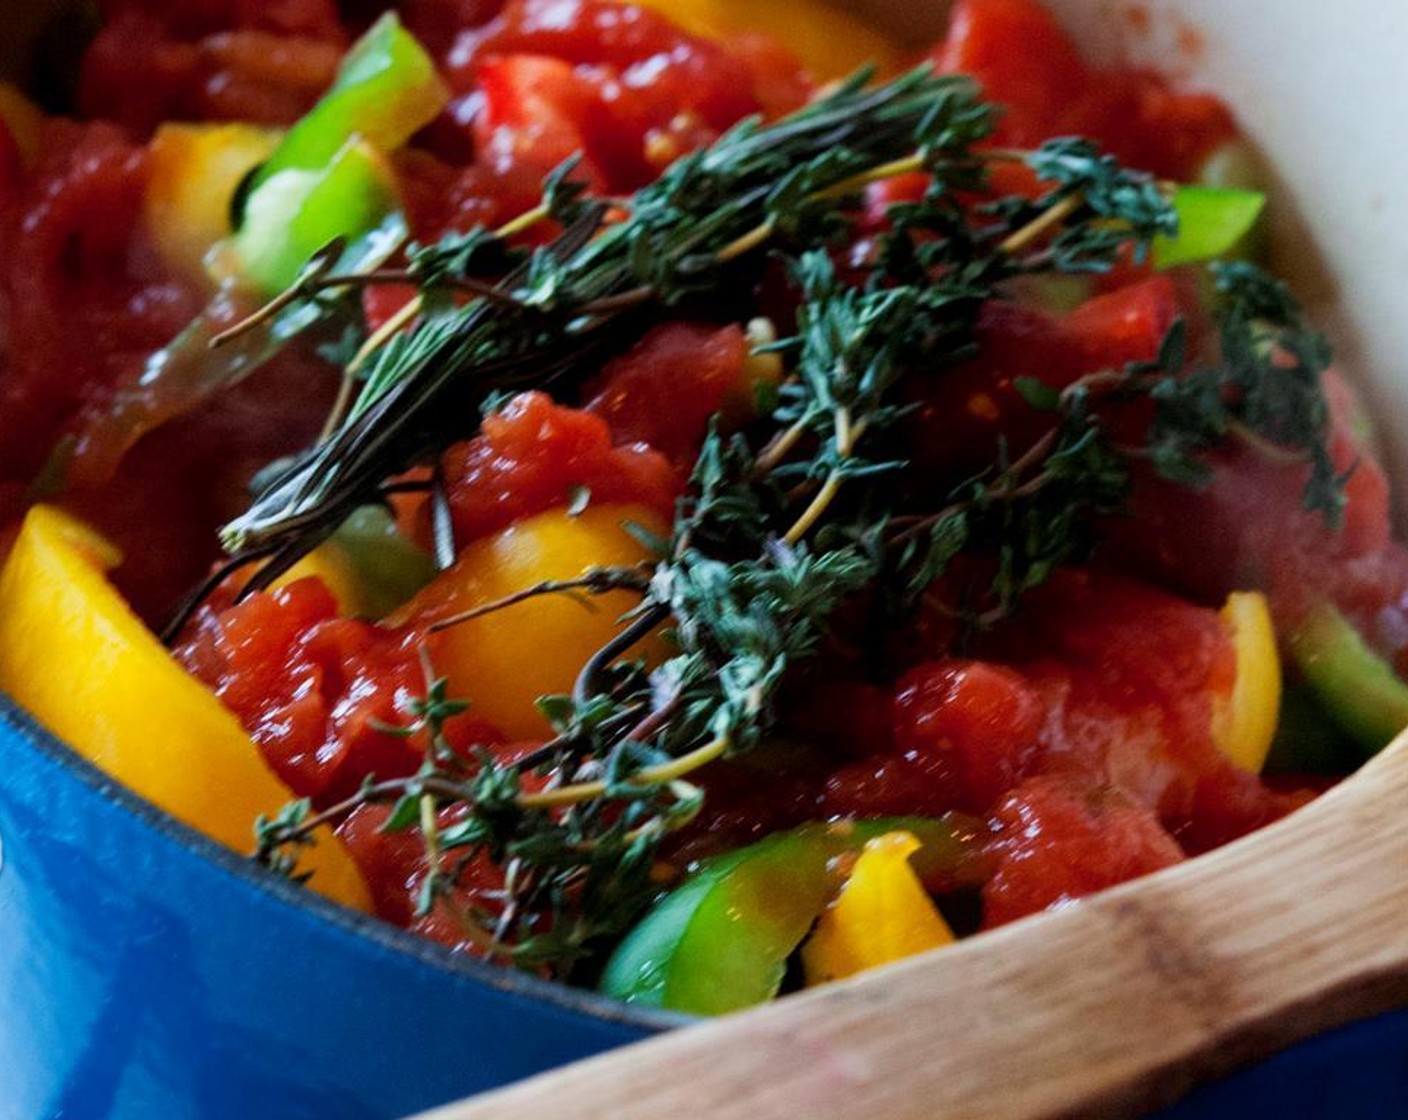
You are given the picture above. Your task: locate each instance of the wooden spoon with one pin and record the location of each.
(1110, 1007)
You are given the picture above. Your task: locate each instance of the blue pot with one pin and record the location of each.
(148, 973)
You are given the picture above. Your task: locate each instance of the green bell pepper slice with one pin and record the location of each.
(385, 91)
(327, 179)
(389, 567)
(297, 213)
(1308, 740)
(1357, 688)
(720, 941)
(1212, 222)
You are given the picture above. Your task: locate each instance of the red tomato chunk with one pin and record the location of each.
(534, 454)
(321, 695)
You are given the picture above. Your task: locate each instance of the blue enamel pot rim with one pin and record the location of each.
(578, 1001)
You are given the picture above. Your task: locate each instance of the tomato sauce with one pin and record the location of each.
(1024, 60)
(1080, 735)
(211, 60)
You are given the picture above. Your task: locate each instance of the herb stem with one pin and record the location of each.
(442, 521)
(525, 221)
(621, 301)
(663, 774)
(430, 830)
(505, 923)
(681, 791)
(779, 447)
(1007, 155)
(203, 590)
(387, 276)
(379, 337)
(658, 718)
(847, 435)
(338, 412)
(318, 267)
(814, 512)
(903, 166)
(263, 315)
(1048, 221)
(599, 581)
(367, 795)
(758, 235)
(585, 685)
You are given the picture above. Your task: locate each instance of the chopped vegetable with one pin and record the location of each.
(881, 915)
(751, 396)
(194, 172)
(296, 212)
(1233, 164)
(720, 941)
(327, 180)
(1308, 740)
(1244, 724)
(389, 567)
(830, 41)
(386, 89)
(331, 565)
(1212, 221)
(23, 118)
(507, 658)
(73, 654)
(1356, 686)
(369, 565)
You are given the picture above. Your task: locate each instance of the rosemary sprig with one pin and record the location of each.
(550, 314)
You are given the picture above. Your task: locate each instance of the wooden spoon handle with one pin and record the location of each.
(1107, 1008)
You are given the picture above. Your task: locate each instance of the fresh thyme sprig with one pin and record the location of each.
(782, 527)
(1029, 516)
(1264, 390)
(1271, 365)
(548, 318)
(1042, 510)
(748, 608)
(573, 877)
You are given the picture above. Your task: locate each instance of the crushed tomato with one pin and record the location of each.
(1079, 736)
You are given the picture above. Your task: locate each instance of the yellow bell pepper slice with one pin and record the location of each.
(330, 564)
(504, 661)
(24, 119)
(74, 655)
(1244, 722)
(368, 566)
(830, 42)
(193, 173)
(881, 915)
